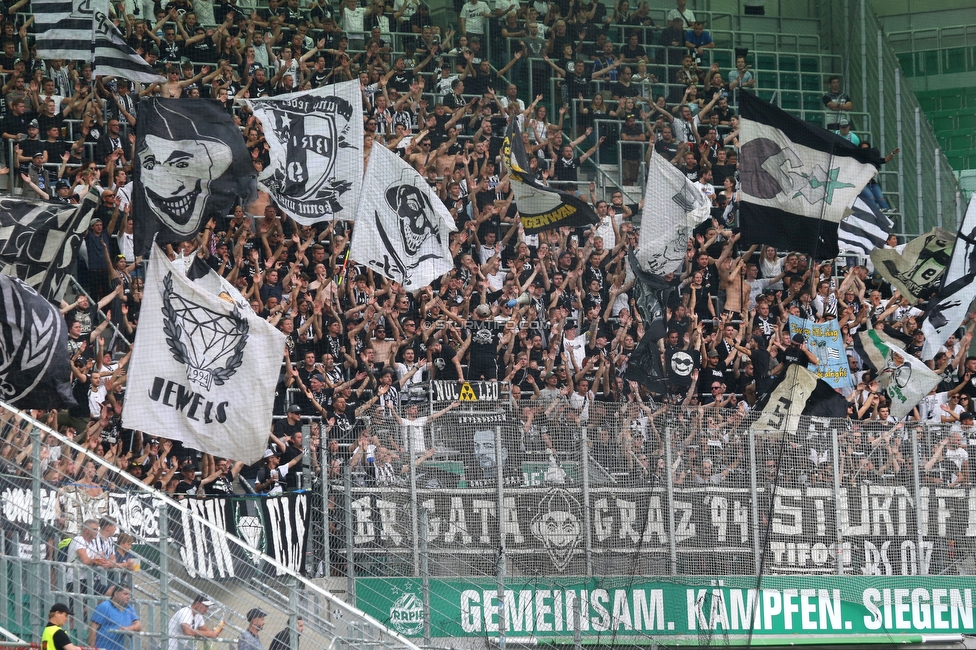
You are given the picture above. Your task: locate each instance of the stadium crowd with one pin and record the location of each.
(553, 315)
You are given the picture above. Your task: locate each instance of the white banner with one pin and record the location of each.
(203, 370)
(402, 228)
(315, 137)
(958, 288)
(673, 206)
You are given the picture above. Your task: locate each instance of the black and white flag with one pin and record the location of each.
(203, 369)
(402, 228)
(672, 209)
(38, 241)
(916, 269)
(797, 393)
(65, 30)
(951, 304)
(286, 522)
(797, 179)
(204, 550)
(864, 229)
(34, 364)
(540, 207)
(191, 164)
(315, 136)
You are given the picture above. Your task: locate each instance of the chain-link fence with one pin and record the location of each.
(446, 508)
(79, 531)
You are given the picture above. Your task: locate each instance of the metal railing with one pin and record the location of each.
(183, 549)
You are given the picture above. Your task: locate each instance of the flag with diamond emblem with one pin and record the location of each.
(797, 179)
(204, 365)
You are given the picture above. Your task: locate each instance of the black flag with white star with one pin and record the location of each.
(797, 179)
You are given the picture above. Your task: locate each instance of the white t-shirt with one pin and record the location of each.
(413, 435)
(175, 628)
(687, 17)
(95, 400)
(474, 21)
(353, 20)
(73, 561)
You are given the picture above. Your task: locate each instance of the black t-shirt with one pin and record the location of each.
(290, 453)
(484, 338)
(14, 124)
(793, 354)
(400, 81)
(444, 363)
(282, 428)
(667, 149)
(565, 169)
(631, 150)
(577, 85)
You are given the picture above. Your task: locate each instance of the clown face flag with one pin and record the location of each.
(191, 165)
(38, 241)
(34, 365)
(958, 288)
(797, 179)
(904, 378)
(203, 370)
(672, 209)
(919, 267)
(316, 137)
(402, 229)
(540, 207)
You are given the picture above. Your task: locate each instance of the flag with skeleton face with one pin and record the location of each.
(191, 165)
(402, 228)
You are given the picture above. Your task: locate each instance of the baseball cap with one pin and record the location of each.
(798, 338)
(844, 122)
(39, 154)
(319, 377)
(34, 124)
(94, 221)
(203, 599)
(967, 415)
(482, 310)
(294, 408)
(61, 607)
(61, 184)
(713, 354)
(254, 613)
(268, 453)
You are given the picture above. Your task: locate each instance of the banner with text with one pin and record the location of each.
(698, 610)
(825, 341)
(714, 529)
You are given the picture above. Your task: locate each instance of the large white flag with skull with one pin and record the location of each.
(315, 137)
(673, 206)
(204, 368)
(402, 228)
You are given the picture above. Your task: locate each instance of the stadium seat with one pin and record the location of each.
(810, 82)
(967, 119)
(951, 102)
(928, 104)
(789, 81)
(766, 61)
(788, 63)
(907, 62)
(941, 121)
(809, 64)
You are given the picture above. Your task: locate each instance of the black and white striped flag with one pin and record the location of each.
(65, 29)
(864, 229)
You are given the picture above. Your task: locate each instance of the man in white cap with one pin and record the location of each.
(188, 624)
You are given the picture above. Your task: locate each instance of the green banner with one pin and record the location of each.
(683, 610)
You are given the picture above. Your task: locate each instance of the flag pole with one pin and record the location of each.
(94, 33)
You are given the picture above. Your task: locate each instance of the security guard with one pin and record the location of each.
(55, 638)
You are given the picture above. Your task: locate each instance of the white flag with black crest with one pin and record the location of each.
(402, 228)
(203, 370)
(315, 137)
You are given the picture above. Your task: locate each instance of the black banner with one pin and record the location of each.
(286, 521)
(714, 527)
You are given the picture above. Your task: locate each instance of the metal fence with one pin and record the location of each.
(920, 177)
(435, 511)
(241, 552)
